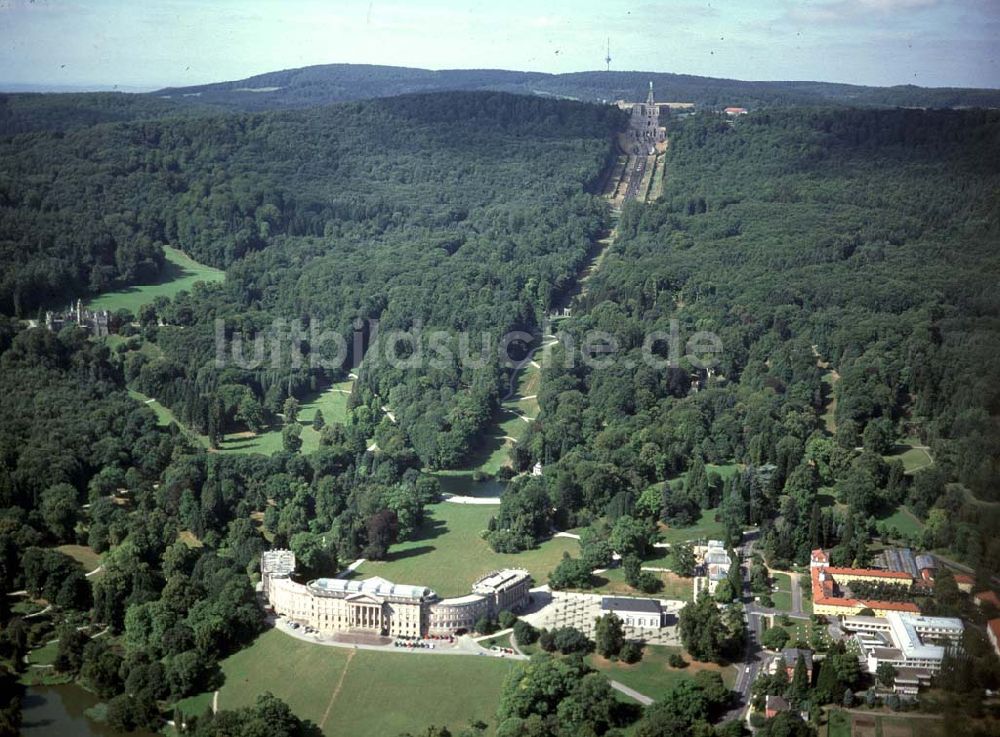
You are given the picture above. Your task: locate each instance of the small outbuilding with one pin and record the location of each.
(646, 613)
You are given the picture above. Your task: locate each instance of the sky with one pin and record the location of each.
(149, 44)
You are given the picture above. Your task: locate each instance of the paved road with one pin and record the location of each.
(622, 688)
(753, 659)
(796, 593)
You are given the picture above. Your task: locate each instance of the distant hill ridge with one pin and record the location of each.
(322, 85)
(317, 85)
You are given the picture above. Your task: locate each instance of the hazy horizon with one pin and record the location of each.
(108, 44)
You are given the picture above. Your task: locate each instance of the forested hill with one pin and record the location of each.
(317, 85)
(324, 84)
(860, 239)
(85, 210)
(27, 112)
(456, 211)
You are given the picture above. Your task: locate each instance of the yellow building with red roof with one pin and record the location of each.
(829, 600)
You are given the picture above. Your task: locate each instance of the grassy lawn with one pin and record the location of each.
(85, 556)
(349, 692)
(838, 724)
(164, 417)
(500, 641)
(448, 553)
(911, 452)
(705, 528)
(24, 607)
(783, 596)
(612, 581)
(800, 630)
(45, 655)
(652, 676)
(830, 411)
(905, 522)
(661, 559)
(195, 705)
(179, 273)
(493, 450)
(332, 401)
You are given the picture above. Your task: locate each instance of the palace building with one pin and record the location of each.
(97, 323)
(380, 607)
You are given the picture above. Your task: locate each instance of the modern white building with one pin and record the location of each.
(380, 607)
(909, 641)
(643, 613)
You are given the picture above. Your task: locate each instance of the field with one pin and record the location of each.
(85, 556)
(801, 630)
(45, 655)
(912, 453)
(448, 554)
(164, 417)
(830, 377)
(332, 401)
(613, 582)
(876, 724)
(705, 528)
(180, 273)
(508, 426)
(783, 596)
(354, 692)
(652, 676)
(905, 522)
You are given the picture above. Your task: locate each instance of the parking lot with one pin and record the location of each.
(581, 610)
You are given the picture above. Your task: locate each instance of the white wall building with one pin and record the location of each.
(381, 607)
(644, 613)
(715, 561)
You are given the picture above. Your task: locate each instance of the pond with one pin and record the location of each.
(461, 483)
(51, 711)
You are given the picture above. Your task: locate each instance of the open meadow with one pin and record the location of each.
(653, 676)
(448, 553)
(181, 272)
(359, 692)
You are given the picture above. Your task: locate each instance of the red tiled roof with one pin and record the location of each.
(823, 593)
(891, 606)
(994, 625)
(874, 573)
(987, 596)
(964, 578)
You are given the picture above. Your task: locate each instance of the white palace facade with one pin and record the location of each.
(380, 607)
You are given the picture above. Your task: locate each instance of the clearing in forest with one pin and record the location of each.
(180, 272)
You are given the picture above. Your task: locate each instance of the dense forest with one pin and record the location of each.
(315, 86)
(181, 530)
(859, 240)
(455, 212)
